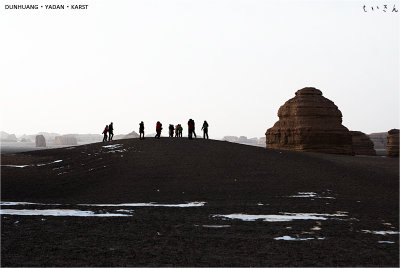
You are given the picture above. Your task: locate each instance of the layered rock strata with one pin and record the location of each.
(310, 122)
(392, 146)
(362, 144)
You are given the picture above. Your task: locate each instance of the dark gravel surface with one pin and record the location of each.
(230, 178)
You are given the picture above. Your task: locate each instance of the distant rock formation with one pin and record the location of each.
(26, 138)
(310, 122)
(88, 138)
(379, 140)
(50, 137)
(261, 141)
(131, 135)
(244, 140)
(5, 137)
(362, 144)
(40, 141)
(230, 138)
(65, 140)
(392, 147)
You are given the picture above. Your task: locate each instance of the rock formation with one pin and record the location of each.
(392, 147)
(40, 141)
(244, 140)
(362, 144)
(261, 141)
(379, 140)
(230, 138)
(65, 140)
(5, 137)
(49, 136)
(310, 122)
(131, 135)
(26, 138)
(88, 138)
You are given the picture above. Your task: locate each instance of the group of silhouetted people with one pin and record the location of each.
(110, 130)
(191, 129)
(177, 130)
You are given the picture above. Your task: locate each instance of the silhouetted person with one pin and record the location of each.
(110, 131)
(205, 129)
(180, 129)
(176, 131)
(171, 131)
(190, 129)
(158, 129)
(105, 133)
(194, 132)
(141, 130)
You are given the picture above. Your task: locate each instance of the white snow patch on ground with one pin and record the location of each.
(45, 164)
(57, 212)
(125, 210)
(385, 242)
(310, 195)
(191, 204)
(279, 218)
(15, 166)
(17, 203)
(118, 151)
(380, 232)
(305, 194)
(289, 238)
(113, 146)
(216, 226)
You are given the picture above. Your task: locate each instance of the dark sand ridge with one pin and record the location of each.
(231, 178)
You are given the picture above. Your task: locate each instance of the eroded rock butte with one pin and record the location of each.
(310, 122)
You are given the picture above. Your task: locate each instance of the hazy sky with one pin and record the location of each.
(232, 63)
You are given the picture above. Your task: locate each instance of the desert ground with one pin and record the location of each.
(180, 202)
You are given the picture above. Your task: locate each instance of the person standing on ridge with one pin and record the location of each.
(158, 129)
(190, 128)
(176, 131)
(171, 130)
(105, 133)
(194, 132)
(180, 129)
(205, 129)
(141, 131)
(110, 132)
